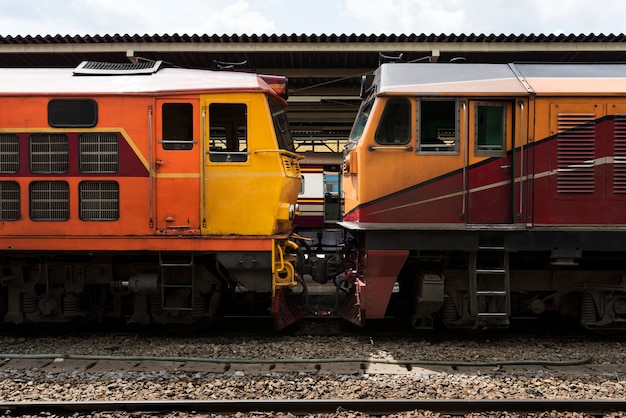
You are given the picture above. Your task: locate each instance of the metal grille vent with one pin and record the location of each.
(576, 160)
(49, 153)
(99, 201)
(49, 201)
(9, 153)
(117, 68)
(568, 121)
(9, 201)
(98, 152)
(291, 165)
(619, 155)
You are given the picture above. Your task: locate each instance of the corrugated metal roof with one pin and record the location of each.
(324, 70)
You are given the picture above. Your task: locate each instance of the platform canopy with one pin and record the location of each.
(324, 70)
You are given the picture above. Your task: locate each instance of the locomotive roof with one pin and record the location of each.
(510, 79)
(63, 81)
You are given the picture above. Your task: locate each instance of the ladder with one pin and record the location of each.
(490, 283)
(177, 278)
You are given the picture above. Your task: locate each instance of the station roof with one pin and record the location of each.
(324, 70)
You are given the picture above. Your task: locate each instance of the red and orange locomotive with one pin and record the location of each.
(146, 192)
(475, 193)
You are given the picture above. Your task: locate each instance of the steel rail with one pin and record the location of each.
(368, 406)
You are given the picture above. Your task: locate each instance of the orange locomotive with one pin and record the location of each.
(141, 191)
(475, 193)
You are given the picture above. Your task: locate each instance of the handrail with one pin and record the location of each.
(228, 152)
(202, 166)
(176, 141)
(465, 157)
(521, 159)
(391, 148)
(282, 151)
(150, 174)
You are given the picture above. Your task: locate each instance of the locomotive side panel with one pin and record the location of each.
(578, 162)
(74, 181)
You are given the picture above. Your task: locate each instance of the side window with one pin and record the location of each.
(490, 128)
(395, 124)
(437, 126)
(72, 113)
(229, 132)
(177, 126)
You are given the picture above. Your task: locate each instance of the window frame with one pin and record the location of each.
(486, 151)
(78, 123)
(388, 103)
(433, 149)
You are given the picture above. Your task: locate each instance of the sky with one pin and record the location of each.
(248, 17)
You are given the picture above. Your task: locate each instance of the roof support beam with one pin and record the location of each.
(304, 47)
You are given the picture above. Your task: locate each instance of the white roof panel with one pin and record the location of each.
(62, 81)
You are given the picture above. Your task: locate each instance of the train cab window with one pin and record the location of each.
(281, 127)
(437, 126)
(72, 113)
(395, 124)
(360, 121)
(177, 126)
(489, 128)
(229, 132)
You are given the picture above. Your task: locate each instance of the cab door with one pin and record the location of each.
(490, 171)
(176, 166)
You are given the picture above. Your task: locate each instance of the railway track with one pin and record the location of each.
(591, 407)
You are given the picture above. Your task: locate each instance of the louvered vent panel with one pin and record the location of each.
(291, 165)
(567, 121)
(576, 158)
(49, 201)
(99, 201)
(9, 201)
(619, 155)
(49, 153)
(98, 152)
(9, 153)
(117, 68)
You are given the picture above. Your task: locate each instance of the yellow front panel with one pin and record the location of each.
(249, 184)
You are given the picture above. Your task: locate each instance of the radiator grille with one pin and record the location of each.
(576, 160)
(291, 165)
(49, 153)
(619, 155)
(568, 121)
(99, 201)
(98, 152)
(49, 201)
(9, 201)
(9, 153)
(117, 68)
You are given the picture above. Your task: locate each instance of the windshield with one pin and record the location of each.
(361, 120)
(281, 127)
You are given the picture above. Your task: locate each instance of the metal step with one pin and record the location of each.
(489, 282)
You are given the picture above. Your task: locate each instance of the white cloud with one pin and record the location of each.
(237, 18)
(407, 16)
(98, 17)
